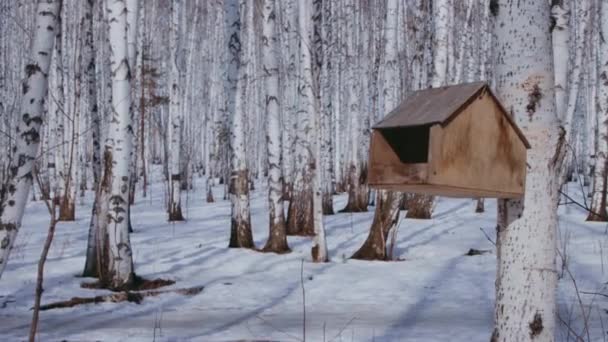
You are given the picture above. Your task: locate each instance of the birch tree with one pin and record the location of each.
(238, 77)
(421, 206)
(175, 113)
(387, 202)
(300, 217)
(27, 135)
(309, 108)
(357, 190)
(598, 201)
(90, 268)
(526, 280)
(117, 265)
(277, 238)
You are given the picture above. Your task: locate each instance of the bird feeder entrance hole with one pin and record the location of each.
(455, 141)
(410, 144)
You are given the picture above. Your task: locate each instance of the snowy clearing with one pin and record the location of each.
(435, 294)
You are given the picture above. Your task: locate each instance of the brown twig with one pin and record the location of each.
(50, 205)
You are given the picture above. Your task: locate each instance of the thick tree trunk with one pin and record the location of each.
(385, 218)
(118, 272)
(277, 237)
(35, 88)
(300, 217)
(526, 273)
(387, 202)
(356, 174)
(240, 224)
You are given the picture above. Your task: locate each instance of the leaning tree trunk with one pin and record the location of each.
(526, 277)
(240, 224)
(387, 202)
(35, 88)
(600, 174)
(175, 130)
(277, 238)
(116, 263)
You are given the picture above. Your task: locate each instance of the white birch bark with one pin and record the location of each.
(35, 88)
(118, 151)
(526, 245)
(560, 16)
(598, 201)
(238, 77)
(357, 191)
(441, 14)
(277, 240)
(176, 117)
(387, 202)
(309, 108)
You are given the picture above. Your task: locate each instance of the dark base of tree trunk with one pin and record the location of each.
(300, 215)
(241, 236)
(420, 207)
(210, 198)
(175, 214)
(67, 211)
(357, 201)
(328, 204)
(278, 247)
(287, 191)
(90, 269)
(374, 247)
(600, 216)
(138, 284)
(480, 208)
(340, 187)
(354, 208)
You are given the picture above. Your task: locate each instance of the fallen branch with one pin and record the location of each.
(133, 297)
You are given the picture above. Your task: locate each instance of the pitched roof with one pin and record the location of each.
(439, 106)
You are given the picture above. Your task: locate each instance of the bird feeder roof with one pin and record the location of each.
(439, 106)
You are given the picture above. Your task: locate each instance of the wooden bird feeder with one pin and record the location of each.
(455, 141)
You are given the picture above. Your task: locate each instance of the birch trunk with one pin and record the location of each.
(300, 217)
(421, 206)
(309, 108)
(600, 184)
(90, 269)
(526, 277)
(118, 272)
(277, 238)
(560, 17)
(27, 135)
(357, 190)
(240, 224)
(387, 202)
(175, 113)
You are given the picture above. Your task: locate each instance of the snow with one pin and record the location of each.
(435, 293)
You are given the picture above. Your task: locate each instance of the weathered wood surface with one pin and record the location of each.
(477, 153)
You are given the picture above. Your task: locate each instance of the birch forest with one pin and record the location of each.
(304, 170)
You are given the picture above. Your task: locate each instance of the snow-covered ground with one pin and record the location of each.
(435, 293)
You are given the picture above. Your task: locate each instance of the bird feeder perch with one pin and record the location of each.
(455, 141)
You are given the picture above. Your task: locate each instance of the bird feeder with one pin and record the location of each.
(455, 141)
